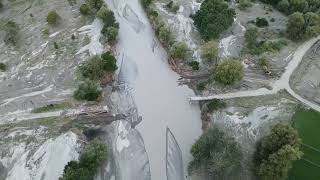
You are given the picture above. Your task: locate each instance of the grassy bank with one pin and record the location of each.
(307, 122)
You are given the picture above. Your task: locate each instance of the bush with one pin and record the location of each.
(1, 5)
(179, 50)
(276, 152)
(264, 64)
(262, 22)
(165, 36)
(244, 4)
(194, 65)
(98, 66)
(90, 161)
(210, 51)
(229, 72)
(215, 154)
(3, 67)
(85, 9)
(11, 33)
(53, 18)
(88, 90)
(213, 18)
(215, 104)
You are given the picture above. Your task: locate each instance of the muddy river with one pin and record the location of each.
(161, 102)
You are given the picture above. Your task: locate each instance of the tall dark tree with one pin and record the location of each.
(276, 152)
(213, 18)
(215, 154)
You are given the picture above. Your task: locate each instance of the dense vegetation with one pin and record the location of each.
(276, 152)
(215, 155)
(229, 72)
(258, 47)
(303, 26)
(291, 6)
(90, 160)
(3, 67)
(213, 18)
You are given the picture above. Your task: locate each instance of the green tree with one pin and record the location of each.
(213, 18)
(215, 154)
(3, 67)
(179, 50)
(210, 51)
(90, 160)
(229, 72)
(146, 3)
(261, 22)
(276, 152)
(53, 18)
(88, 90)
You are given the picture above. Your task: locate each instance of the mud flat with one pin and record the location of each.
(305, 80)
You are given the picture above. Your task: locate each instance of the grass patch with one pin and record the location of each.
(52, 107)
(307, 122)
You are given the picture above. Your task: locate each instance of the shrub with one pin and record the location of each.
(210, 51)
(276, 152)
(165, 35)
(262, 22)
(215, 104)
(97, 66)
(53, 18)
(179, 50)
(90, 161)
(251, 36)
(3, 67)
(11, 33)
(229, 72)
(88, 90)
(216, 155)
(213, 18)
(85, 9)
(194, 65)
(244, 4)
(1, 5)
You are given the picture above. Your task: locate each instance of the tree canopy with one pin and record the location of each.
(213, 18)
(276, 152)
(90, 160)
(303, 26)
(229, 72)
(215, 155)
